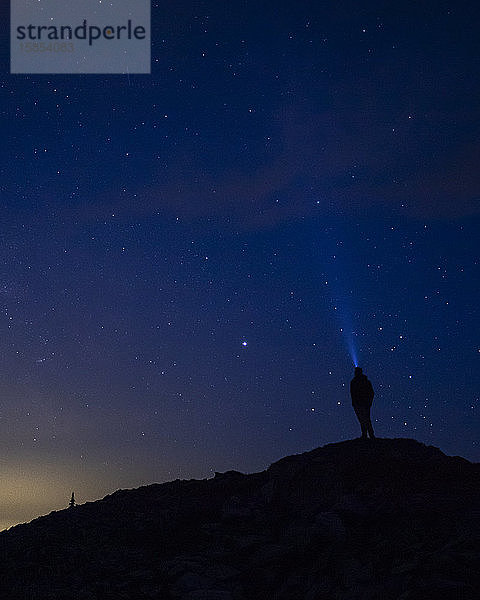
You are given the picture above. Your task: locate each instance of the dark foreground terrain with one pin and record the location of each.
(393, 519)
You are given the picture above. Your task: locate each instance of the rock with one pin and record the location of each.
(320, 590)
(228, 475)
(192, 581)
(270, 553)
(354, 572)
(208, 595)
(220, 572)
(330, 527)
(299, 536)
(352, 505)
(234, 508)
(182, 564)
(296, 587)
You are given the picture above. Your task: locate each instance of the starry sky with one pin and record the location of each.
(192, 260)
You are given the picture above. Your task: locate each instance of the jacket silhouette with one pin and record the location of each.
(361, 391)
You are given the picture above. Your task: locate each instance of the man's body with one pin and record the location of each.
(361, 391)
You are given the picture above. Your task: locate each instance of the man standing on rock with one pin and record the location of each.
(361, 391)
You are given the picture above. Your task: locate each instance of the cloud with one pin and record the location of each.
(330, 163)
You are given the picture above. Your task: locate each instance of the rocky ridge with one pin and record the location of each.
(353, 520)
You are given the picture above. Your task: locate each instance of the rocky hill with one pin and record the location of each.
(389, 519)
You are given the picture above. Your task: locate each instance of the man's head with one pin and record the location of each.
(358, 371)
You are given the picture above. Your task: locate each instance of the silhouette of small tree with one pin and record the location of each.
(71, 504)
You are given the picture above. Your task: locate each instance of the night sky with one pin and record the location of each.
(192, 260)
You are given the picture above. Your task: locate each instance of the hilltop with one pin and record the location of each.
(389, 519)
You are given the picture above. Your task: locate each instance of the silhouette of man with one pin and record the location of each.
(361, 391)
